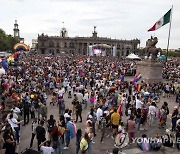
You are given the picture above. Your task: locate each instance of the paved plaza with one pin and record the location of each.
(108, 143)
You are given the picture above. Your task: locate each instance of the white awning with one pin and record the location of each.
(133, 57)
(102, 46)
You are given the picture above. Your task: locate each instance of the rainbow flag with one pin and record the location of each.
(137, 77)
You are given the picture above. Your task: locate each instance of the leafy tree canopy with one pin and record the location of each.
(7, 42)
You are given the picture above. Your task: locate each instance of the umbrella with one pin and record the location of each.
(102, 46)
(133, 57)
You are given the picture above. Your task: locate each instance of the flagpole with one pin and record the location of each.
(169, 34)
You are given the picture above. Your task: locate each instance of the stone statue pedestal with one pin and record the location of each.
(150, 71)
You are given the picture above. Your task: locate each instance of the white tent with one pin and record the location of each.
(133, 57)
(102, 46)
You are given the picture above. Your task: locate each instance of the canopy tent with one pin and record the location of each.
(102, 46)
(132, 56)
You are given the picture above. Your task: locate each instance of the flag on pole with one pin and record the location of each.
(162, 21)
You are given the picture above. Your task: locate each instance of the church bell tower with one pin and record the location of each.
(16, 30)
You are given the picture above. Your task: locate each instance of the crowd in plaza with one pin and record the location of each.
(118, 108)
(171, 70)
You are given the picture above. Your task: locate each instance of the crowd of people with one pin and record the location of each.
(171, 70)
(93, 84)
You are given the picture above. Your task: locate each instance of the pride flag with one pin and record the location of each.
(72, 129)
(137, 77)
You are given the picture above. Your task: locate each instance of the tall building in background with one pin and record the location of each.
(17, 32)
(83, 45)
(34, 45)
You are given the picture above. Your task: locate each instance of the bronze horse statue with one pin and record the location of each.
(151, 48)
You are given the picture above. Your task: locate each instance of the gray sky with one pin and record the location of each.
(121, 19)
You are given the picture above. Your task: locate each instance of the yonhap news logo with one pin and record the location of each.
(151, 140)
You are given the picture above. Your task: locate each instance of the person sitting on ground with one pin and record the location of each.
(156, 145)
(114, 151)
(167, 139)
(45, 147)
(144, 145)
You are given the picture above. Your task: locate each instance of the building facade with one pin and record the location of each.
(34, 44)
(81, 45)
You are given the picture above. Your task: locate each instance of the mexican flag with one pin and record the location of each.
(161, 22)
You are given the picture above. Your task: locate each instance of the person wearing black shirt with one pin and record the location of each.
(78, 111)
(40, 133)
(50, 124)
(9, 142)
(26, 109)
(130, 89)
(174, 118)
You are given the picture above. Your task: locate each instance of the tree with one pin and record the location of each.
(7, 42)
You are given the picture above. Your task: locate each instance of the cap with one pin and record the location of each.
(90, 117)
(176, 107)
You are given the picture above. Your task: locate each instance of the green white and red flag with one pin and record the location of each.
(162, 21)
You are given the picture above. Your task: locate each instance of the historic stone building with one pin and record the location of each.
(83, 45)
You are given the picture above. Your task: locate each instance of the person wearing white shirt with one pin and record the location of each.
(66, 114)
(61, 92)
(16, 110)
(46, 149)
(34, 125)
(99, 113)
(138, 103)
(86, 98)
(14, 124)
(80, 97)
(14, 115)
(152, 113)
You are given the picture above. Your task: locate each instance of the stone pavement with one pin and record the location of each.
(97, 147)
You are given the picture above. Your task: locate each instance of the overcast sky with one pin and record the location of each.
(121, 19)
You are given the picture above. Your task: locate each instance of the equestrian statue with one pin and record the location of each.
(151, 50)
